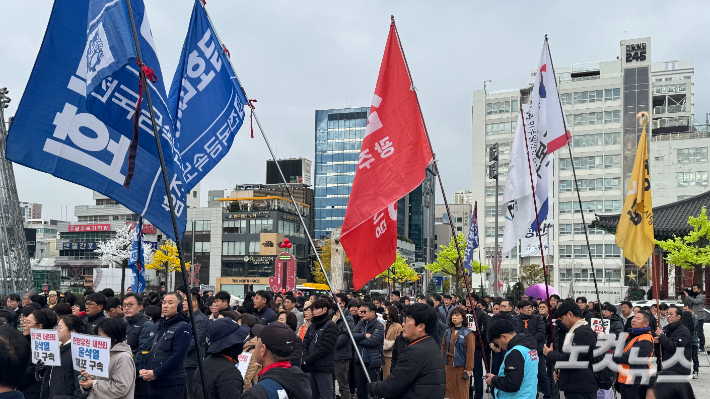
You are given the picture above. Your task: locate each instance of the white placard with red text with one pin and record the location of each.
(471, 322)
(91, 353)
(598, 328)
(244, 360)
(45, 347)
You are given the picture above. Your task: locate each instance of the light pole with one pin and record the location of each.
(492, 174)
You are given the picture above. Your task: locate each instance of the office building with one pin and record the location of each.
(415, 217)
(30, 210)
(463, 197)
(603, 102)
(295, 170)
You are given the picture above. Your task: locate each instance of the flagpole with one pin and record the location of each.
(539, 231)
(446, 203)
(171, 205)
(576, 185)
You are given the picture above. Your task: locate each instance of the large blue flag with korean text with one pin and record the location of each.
(471, 240)
(54, 131)
(206, 100)
(136, 259)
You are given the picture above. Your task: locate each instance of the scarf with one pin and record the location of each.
(570, 335)
(641, 330)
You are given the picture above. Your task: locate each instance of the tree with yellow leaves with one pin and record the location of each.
(401, 274)
(166, 260)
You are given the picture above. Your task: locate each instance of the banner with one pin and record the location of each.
(393, 159)
(551, 118)
(472, 239)
(471, 322)
(206, 101)
(45, 347)
(136, 260)
(600, 327)
(91, 353)
(53, 131)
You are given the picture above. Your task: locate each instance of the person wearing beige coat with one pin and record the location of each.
(393, 328)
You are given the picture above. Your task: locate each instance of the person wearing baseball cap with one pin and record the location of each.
(274, 346)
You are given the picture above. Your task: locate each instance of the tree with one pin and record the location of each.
(447, 260)
(114, 252)
(532, 274)
(166, 259)
(431, 288)
(517, 292)
(634, 293)
(402, 272)
(325, 255)
(693, 250)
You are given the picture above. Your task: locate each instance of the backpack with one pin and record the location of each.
(273, 389)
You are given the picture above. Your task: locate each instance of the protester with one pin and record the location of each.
(394, 296)
(262, 309)
(393, 328)
(419, 370)
(319, 350)
(120, 383)
(505, 313)
(95, 304)
(691, 322)
(62, 381)
(277, 379)
(675, 337)
(576, 383)
(30, 386)
(481, 324)
(26, 297)
(354, 308)
(290, 306)
(251, 377)
(616, 325)
(289, 318)
(154, 312)
(165, 366)
(531, 324)
(696, 300)
(307, 318)
(343, 347)
(201, 322)
(369, 334)
(138, 329)
(7, 317)
(627, 315)
(458, 350)
(62, 309)
(641, 340)
(222, 379)
(517, 375)
(79, 309)
(52, 299)
(15, 354)
(669, 390)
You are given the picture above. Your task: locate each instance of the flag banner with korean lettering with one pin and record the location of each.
(53, 131)
(393, 159)
(530, 243)
(136, 259)
(634, 233)
(91, 353)
(471, 240)
(45, 347)
(551, 120)
(206, 100)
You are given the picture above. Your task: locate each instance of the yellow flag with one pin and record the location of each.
(634, 233)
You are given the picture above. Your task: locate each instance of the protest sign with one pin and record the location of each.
(45, 347)
(381, 318)
(244, 359)
(471, 322)
(91, 353)
(597, 326)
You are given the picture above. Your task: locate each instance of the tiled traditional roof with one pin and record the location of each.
(668, 220)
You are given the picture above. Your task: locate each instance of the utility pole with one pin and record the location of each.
(492, 174)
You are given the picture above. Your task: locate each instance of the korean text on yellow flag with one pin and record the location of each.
(634, 234)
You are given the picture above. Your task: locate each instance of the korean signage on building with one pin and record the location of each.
(636, 52)
(250, 215)
(80, 245)
(147, 228)
(89, 227)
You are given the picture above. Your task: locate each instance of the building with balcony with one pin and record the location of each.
(603, 102)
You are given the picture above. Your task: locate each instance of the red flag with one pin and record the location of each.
(393, 159)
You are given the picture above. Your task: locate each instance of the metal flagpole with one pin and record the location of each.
(293, 201)
(446, 203)
(178, 241)
(539, 231)
(576, 185)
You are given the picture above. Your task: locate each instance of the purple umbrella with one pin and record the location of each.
(538, 291)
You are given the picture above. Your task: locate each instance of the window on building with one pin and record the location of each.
(612, 206)
(565, 251)
(254, 247)
(682, 197)
(612, 116)
(503, 148)
(689, 155)
(611, 183)
(459, 220)
(234, 226)
(596, 250)
(459, 229)
(514, 106)
(612, 161)
(588, 140)
(202, 246)
(589, 206)
(612, 251)
(612, 275)
(583, 97)
(692, 179)
(565, 229)
(233, 248)
(566, 98)
(612, 94)
(490, 231)
(587, 163)
(591, 118)
(203, 225)
(566, 185)
(565, 164)
(498, 128)
(261, 226)
(612, 138)
(490, 191)
(499, 107)
(490, 211)
(565, 207)
(579, 229)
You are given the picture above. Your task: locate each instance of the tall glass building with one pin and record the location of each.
(339, 134)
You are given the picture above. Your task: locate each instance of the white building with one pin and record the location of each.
(602, 102)
(463, 197)
(30, 210)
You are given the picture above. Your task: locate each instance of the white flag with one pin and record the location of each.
(551, 117)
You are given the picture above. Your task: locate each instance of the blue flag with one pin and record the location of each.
(206, 100)
(136, 259)
(472, 240)
(54, 132)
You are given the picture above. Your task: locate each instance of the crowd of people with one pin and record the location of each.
(349, 346)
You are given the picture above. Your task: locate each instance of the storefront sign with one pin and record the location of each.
(147, 228)
(89, 227)
(243, 280)
(636, 52)
(250, 215)
(80, 245)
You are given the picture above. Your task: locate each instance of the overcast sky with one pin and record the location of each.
(295, 57)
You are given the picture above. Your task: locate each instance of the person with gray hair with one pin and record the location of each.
(26, 297)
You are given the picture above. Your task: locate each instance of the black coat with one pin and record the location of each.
(676, 337)
(201, 322)
(399, 344)
(578, 380)
(222, 377)
(616, 326)
(60, 382)
(419, 373)
(533, 326)
(29, 385)
(344, 345)
(319, 345)
(370, 348)
(482, 318)
(294, 381)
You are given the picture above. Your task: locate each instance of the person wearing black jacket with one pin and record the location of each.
(673, 338)
(343, 350)
(481, 348)
(505, 313)
(222, 379)
(616, 326)
(262, 309)
(60, 382)
(517, 378)
(576, 383)
(419, 370)
(201, 322)
(95, 304)
(531, 324)
(319, 350)
(369, 334)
